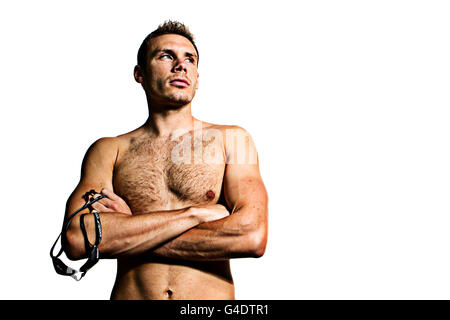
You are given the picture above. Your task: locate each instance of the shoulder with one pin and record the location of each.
(230, 130)
(105, 142)
(115, 144)
(103, 150)
(98, 163)
(235, 134)
(235, 130)
(238, 144)
(230, 133)
(104, 145)
(226, 129)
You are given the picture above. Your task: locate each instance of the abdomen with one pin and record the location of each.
(163, 280)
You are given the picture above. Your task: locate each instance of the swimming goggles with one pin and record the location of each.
(93, 252)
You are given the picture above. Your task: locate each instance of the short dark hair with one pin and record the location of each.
(168, 27)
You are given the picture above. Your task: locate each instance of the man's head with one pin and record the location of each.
(168, 27)
(167, 65)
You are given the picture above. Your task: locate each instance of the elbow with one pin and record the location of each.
(73, 246)
(257, 241)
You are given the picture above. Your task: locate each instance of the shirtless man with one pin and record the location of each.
(182, 196)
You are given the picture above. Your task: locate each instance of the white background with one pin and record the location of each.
(347, 101)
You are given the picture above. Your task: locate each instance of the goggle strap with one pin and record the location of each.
(94, 254)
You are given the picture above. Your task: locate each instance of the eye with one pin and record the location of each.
(166, 56)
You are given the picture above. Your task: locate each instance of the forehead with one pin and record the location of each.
(173, 42)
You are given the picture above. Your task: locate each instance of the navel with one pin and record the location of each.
(210, 195)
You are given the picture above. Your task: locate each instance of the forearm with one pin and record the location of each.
(124, 234)
(236, 236)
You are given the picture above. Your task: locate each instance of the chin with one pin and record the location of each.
(180, 99)
(175, 100)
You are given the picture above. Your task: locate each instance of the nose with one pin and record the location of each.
(180, 66)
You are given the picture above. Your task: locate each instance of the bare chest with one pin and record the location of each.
(164, 174)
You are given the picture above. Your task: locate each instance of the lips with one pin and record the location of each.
(179, 82)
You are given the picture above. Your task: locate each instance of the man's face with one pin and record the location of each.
(171, 75)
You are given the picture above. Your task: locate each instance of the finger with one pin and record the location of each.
(110, 204)
(93, 197)
(102, 200)
(111, 195)
(100, 207)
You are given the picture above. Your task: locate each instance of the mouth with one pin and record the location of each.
(179, 82)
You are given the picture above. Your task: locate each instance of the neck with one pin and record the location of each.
(164, 122)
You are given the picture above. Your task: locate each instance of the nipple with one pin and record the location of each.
(210, 195)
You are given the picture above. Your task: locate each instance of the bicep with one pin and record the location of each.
(96, 172)
(243, 185)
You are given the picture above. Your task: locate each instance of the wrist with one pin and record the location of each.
(195, 214)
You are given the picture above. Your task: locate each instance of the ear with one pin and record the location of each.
(138, 74)
(196, 82)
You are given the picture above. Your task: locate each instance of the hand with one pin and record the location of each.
(112, 203)
(210, 212)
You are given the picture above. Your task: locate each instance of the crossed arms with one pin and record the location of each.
(206, 232)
